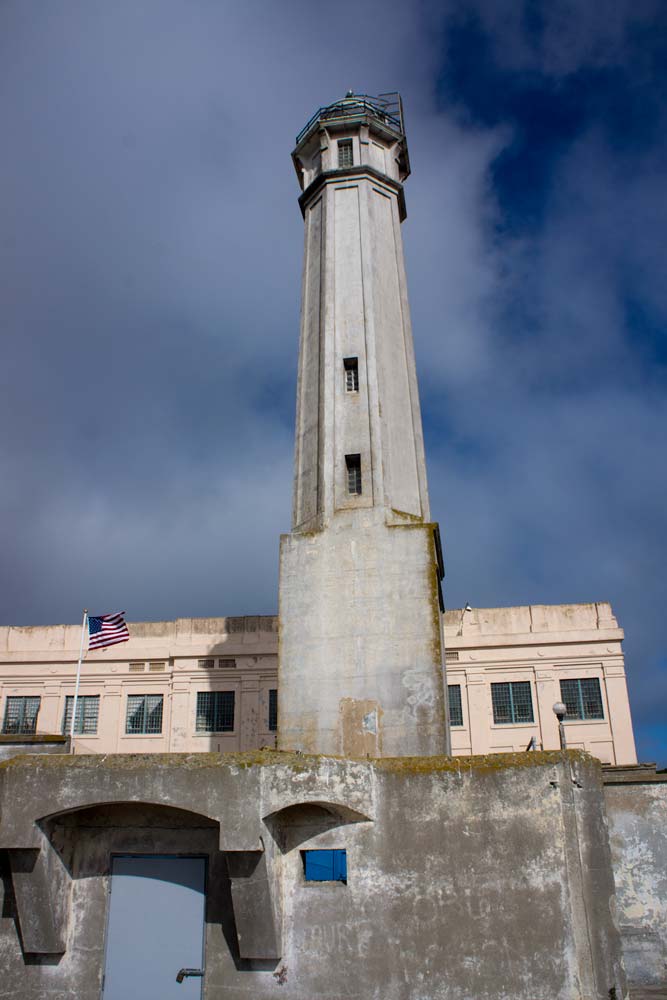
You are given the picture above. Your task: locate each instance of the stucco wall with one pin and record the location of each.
(537, 643)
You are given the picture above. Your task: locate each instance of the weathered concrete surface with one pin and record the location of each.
(468, 879)
(10, 746)
(636, 800)
(360, 667)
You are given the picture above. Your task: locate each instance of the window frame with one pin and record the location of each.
(455, 725)
(21, 730)
(513, 721)
(216, 714)
(355, 486)
(345, 145)
(146, 722)
(82, 701)
(351, 370)
(581, 699)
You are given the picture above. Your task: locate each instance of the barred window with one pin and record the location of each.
(144, 714)
(583, 698)
(351, 366)
(512, 702)
(21, 715)
(87, 713)
(345, 157)
(273, 710)
(215, 711)
(353, 464)
(455, 706)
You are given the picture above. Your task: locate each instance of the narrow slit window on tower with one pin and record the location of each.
(345, 158)
(351, 374)
(353, 463)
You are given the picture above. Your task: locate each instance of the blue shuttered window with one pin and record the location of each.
(325, 866)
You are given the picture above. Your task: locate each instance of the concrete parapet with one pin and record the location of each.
(467, 877)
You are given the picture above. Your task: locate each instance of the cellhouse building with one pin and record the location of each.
(365, 796)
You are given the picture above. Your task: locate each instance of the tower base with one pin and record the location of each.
(361, 658)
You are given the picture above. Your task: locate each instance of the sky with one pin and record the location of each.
(150, 268)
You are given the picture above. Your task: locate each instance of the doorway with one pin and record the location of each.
(155, 928)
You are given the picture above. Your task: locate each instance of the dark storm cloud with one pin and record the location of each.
(150, 247)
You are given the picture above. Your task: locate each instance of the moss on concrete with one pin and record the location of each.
(491, 763)
(495, 762)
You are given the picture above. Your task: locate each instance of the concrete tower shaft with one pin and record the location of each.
(361, 658)
(358, 401)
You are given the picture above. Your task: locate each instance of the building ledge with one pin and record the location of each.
(632, 774)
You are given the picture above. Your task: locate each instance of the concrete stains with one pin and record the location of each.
(360, 727)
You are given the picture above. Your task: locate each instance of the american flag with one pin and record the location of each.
(106, 630)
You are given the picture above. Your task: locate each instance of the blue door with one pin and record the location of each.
(155, 928)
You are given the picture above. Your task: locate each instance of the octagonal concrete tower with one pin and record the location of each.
(361, 661)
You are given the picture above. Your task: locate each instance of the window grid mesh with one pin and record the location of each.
(87, 713)
(21, 715)
(582, 698)
(345, 157)
(273, 710)
(215, 711)
(512, 703)
(353, 463)
(351, 374)
(144, 714)
(455, 705)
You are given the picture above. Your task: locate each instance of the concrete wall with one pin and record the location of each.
(10, 746)
(468, 879)
(636, 800)
(537, 643)
(360, 666)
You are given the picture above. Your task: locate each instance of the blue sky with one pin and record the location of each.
(149, 292)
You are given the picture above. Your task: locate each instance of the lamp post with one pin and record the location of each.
(560, 711)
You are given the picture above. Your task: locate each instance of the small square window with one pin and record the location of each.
(273, 710)
(87, 713)
(206, 664)
(325, 866)
(215, 711)
(512, 703)
(455, 706)
(351, 366)
(345, 157)
(353, 465)
(144, 714)
(583, 698)
(21, 715)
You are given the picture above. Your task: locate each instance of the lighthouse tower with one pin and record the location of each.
(361, 660)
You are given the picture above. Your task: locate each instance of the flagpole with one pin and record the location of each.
(78, 680)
